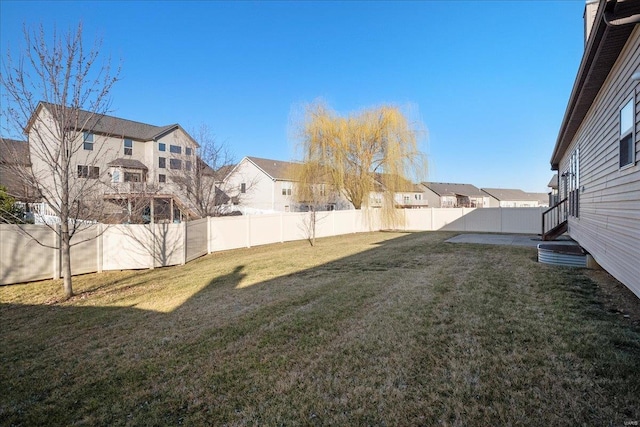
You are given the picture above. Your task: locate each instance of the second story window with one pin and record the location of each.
(187, 165)
(128, 147)
(87, 139)
(162, 177)
(243, 188)
(176, 149)
(188, 151)
(175, 164)
(162, 146)
(92, 172)
(162, 162)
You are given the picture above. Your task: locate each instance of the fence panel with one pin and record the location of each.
(127, 247)
(229, 233)
(265, 229)
(168, 244)
(84, 250)
(522, 220)
(23, 259)
(196, 238)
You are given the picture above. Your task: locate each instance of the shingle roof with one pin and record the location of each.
(513, 194)
(114, 126)
(128, 163)
(276, 169)
(14, 152)
(449, 189)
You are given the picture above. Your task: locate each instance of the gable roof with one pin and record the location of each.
(114, 126)
(450, 189)
(608, 36)
(513, 194)
(276, 169)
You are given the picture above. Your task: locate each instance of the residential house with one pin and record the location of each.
(448, 195)
(597, 153)
(131, 166)
(14, 165)
(266, 186)
(408, 196)
(515, 198)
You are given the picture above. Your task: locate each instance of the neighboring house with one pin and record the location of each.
(257, 186)
(136, 164)
(597, 152)
(448, 195)
(515, 198)
(14, 164)
(409, 196)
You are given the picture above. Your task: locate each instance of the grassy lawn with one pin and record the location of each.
(364, 329)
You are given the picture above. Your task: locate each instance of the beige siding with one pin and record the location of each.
(609, 222)
(84, 251)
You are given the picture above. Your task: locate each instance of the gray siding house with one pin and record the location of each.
(597, 152)
(450, 195)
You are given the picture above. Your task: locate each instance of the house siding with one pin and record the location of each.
(608, 225)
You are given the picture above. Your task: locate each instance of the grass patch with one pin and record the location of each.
(364, 329)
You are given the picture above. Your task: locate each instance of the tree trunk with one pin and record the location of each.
(65, 246)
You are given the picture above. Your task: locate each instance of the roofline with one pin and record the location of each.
(601, 52)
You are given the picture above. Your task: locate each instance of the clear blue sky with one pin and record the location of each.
(489, 79)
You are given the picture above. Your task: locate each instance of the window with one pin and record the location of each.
(92, 172)
(128, 147)
(175, 164)
(627, 125)
(132, 177)
(406, 199)
(162, 146)
(188, 151)
(162, 178)
(162, 162)
(243, 188)
(87, 139)
(323, 190)
(176, 149)
(187, 165)
(418, 196)
(286, 191)
(115, 176)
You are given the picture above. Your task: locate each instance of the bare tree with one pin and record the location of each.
(353, 153)
(56, 92)
(201, 180)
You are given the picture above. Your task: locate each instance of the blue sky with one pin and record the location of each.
(489, 79)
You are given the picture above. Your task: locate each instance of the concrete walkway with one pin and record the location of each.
(507, 239)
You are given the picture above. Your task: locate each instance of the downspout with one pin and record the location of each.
(612, 20)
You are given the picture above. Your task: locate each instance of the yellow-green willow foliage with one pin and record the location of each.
(374, 150)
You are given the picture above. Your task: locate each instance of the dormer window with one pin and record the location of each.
(87, 141)
(128, 147)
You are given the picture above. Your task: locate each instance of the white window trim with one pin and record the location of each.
(632, 132)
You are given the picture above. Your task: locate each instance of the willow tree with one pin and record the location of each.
(371, 151)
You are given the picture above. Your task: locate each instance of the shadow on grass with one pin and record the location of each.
(309, 348)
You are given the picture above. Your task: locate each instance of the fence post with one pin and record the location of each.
(152, 228)
(209, 245)
(100, 247)
(184, 242)
(57, 253)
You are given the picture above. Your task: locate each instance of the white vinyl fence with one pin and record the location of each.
(27, 254)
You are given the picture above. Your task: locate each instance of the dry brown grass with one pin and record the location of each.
(366, 329)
